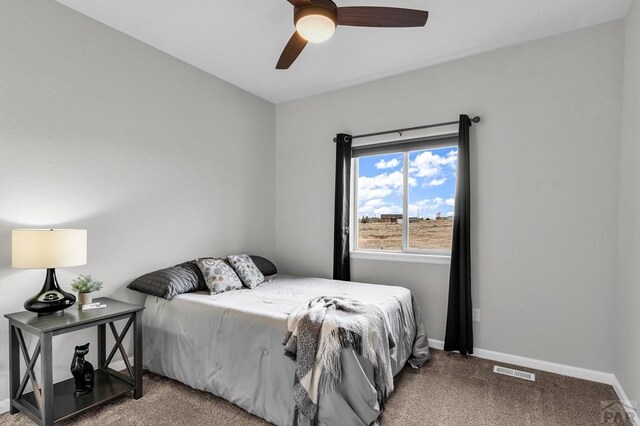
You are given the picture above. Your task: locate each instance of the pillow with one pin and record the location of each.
(191, 265)
(264, 265)
(168, 283)
(246, 270)
(218, 275)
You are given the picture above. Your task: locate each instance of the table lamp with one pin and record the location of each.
(49, 249)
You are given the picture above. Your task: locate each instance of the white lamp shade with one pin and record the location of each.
(48, 248)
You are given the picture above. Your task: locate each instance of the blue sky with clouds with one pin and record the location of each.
(432, 183)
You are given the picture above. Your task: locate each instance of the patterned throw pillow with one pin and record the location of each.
(218, 275)
(246, 270)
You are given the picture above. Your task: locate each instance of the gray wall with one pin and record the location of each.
(545, 176)
(626, 329)
(158, 160)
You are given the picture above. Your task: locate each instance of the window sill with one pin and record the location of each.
(402, 257)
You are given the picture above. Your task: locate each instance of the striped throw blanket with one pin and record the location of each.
(316, 335)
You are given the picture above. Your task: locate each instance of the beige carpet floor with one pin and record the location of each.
(449, 390)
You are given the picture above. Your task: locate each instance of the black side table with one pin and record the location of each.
(51, 402)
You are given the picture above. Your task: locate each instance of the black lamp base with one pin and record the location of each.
(51, 300)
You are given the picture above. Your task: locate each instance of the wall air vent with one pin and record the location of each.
(514, 373)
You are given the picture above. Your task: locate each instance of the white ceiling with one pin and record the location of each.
(240, 41)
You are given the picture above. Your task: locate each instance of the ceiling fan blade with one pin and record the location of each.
(291, 51)
(366, 16)
(298, 3)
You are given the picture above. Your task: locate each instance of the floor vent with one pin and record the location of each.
(514, 373)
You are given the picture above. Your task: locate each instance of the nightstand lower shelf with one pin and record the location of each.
(106, 387)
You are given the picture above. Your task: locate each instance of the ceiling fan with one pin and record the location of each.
(316, 21)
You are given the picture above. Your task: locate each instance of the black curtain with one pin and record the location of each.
(341, 263)
(459, 335)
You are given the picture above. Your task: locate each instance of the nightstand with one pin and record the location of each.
(50, 402)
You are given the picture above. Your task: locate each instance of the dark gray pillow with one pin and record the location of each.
(193, 266)
(168, 283)
(264, 265)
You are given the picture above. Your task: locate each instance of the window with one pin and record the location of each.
(404, 196)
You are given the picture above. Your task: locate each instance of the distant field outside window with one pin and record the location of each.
(430, 193)
(432, 197)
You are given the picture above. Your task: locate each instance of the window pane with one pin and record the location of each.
(380, 203)
(432, 188)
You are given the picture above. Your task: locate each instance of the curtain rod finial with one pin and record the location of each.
(476, 119)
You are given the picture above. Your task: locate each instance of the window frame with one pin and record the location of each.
(404, 147)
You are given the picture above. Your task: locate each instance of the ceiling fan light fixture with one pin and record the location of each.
(316, 21)
(316, 28)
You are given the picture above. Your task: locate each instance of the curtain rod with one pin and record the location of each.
(475, 119)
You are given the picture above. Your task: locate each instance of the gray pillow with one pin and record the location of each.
(264, 265)
(193, 266)
(169, 282)
(247, 271)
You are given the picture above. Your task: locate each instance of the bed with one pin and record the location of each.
(230, 345)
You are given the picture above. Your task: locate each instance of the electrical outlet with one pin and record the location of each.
(476, 315)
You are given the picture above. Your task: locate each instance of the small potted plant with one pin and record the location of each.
(84, 285)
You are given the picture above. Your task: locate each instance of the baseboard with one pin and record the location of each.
(436, 344)
(4, 406)
(633, 414)
(552, 367)
(120, 365)
(116, 365)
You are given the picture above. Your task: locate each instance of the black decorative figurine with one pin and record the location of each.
(82, 371)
